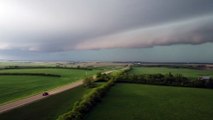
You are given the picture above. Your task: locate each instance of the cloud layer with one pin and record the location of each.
(66, 25)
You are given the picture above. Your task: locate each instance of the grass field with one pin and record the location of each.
(146, 102)
(192, 73)
(47, 109)
(13, 87)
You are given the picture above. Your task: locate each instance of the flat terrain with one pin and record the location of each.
(28, 100)
(14, 87)
(192, 73)
(147, 102)
(47, 109)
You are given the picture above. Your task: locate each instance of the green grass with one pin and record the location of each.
(146, 102)
(47, 109)
(15, 87)
(192, 73)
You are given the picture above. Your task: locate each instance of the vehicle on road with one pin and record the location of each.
(45, 94)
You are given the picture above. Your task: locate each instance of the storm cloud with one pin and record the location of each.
(66, 25)
(193, 31)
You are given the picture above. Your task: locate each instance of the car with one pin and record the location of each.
(45, 94)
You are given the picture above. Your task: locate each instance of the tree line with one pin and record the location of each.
(46, 67)
(31, 74)
(165, 79)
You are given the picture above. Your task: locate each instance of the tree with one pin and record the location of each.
(99, 74)
(89, 82)
(78, 67)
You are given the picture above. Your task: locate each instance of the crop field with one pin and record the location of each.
(147, 102)
(47, 109)
(14, 87)
(191, 73)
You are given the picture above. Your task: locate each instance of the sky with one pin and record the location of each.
(107, 30)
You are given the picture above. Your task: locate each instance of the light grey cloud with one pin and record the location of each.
(64, 25)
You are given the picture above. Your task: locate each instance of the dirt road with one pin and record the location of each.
(25, 101)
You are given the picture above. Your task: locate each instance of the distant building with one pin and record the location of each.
(205, 78)
(207, 81)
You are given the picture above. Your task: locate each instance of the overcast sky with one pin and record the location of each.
(107, 30)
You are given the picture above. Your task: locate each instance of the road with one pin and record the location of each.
(31, 99)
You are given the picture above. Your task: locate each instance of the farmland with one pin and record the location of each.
(47, 109)
(146, 102)
(124, 101)
(14, 87)
(191, 73)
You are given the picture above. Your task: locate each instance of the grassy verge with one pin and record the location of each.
(147, 102)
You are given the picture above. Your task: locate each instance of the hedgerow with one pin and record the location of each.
(88, 101)
(165, 79)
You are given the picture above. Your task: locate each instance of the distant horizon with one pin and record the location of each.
(142, 62)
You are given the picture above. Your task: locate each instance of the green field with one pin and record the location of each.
(47, 109)
(146, 102)
(192, 73)
(13, 87)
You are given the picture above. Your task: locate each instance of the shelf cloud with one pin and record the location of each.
(50, 26)
(192, 31)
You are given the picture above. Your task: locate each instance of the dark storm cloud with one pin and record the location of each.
(53, 25)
